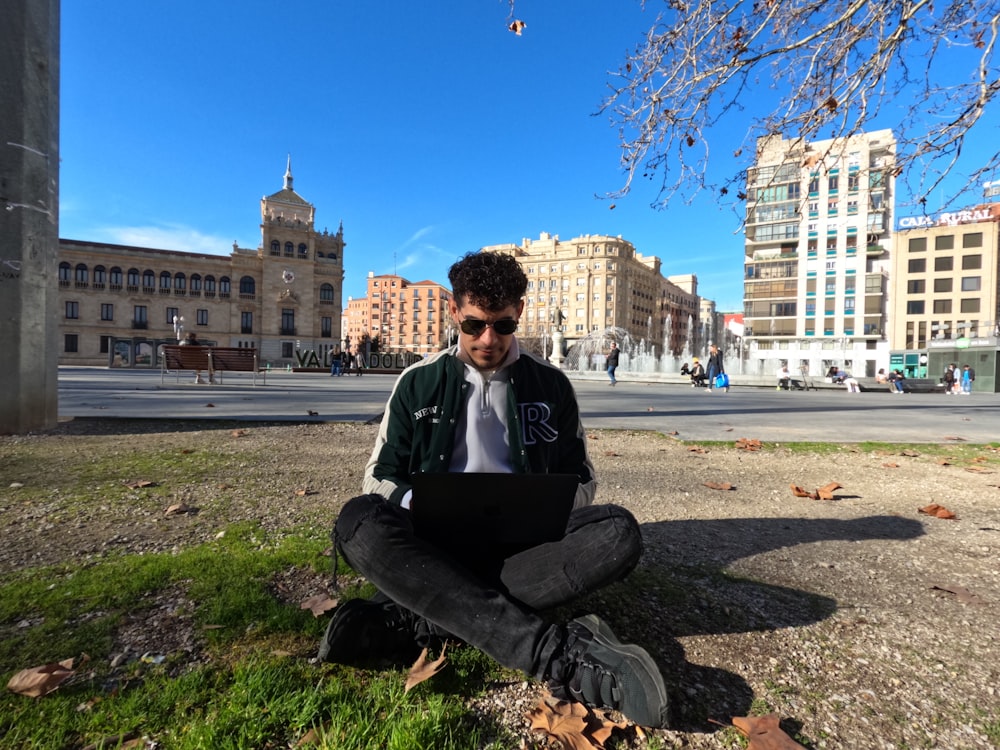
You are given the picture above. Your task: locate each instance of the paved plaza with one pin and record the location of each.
(691, 414)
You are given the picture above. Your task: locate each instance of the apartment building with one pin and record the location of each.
(598, 282)
(817, 253)
(119, 303)
(402, 315)
(945, 303)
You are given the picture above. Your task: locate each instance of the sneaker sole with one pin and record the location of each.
(637, 655)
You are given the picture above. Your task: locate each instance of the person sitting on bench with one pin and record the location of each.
(698, 377)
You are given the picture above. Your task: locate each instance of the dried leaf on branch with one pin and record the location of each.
(517, 26)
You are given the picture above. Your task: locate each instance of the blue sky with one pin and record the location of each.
(428, 129)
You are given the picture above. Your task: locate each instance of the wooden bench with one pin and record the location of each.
(214, 359)
(234, 359)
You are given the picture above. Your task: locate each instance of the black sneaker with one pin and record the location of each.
(375, 634)
(597, 669)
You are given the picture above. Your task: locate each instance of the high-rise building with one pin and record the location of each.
(119, 303)
(595, 283)
(817, 254)
(945, 298)
(404, 316)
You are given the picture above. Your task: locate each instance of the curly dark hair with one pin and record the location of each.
(491, 281)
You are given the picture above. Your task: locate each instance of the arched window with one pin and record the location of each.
(115, 278)
(248, 285)
(275, 247)
(303, 250)
(326, 293)
(210, 285)
(195, 282)
(165, 280)
(100, 276)
(148, 279)
(82, 276)
(224, 288)
(289, 249)
(64, 273)
(180, 282)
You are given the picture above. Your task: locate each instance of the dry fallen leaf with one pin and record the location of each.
(564, 721)
(938, 511)
(314, 736)
(573, 725)
(826, 491)
(891, 465)
(305, 491)
(764, 733)
(749, 444)
(38, 681)
(238, 433)
(718, 485)
(800, 492)
(179, 508)
(139, 484)
(961, 593)
(319, 604)
(423, 669)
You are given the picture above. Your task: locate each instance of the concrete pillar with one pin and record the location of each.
(29, 215)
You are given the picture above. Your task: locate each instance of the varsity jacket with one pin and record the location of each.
(417, 433)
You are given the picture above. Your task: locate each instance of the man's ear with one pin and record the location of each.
(453, 309)
(520, 308)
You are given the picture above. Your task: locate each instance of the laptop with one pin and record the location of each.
(510, 510)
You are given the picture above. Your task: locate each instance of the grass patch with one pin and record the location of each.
(263, 701)
(254, 687)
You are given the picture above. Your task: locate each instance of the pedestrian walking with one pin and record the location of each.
(612, 362)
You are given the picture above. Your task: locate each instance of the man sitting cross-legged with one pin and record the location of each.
(483, 405)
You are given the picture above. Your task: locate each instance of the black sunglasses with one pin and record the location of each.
(474, 327)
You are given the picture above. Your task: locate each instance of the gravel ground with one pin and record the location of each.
(860, 621)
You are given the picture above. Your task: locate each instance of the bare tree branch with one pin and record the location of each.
(809, 69)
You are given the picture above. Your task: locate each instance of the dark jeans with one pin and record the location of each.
(492, 603)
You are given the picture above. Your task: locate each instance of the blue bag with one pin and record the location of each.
(722, 380)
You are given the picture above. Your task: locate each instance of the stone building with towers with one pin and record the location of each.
(118, 303)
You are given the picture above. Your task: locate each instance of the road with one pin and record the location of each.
(691, 414)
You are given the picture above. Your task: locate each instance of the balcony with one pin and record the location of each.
(140, 325)
(874, 251)
(288, 331)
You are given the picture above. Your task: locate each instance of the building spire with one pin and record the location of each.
(288, 174)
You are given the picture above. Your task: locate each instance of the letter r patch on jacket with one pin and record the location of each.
(535, 423)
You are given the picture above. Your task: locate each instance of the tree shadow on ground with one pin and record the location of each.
(683, 589)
